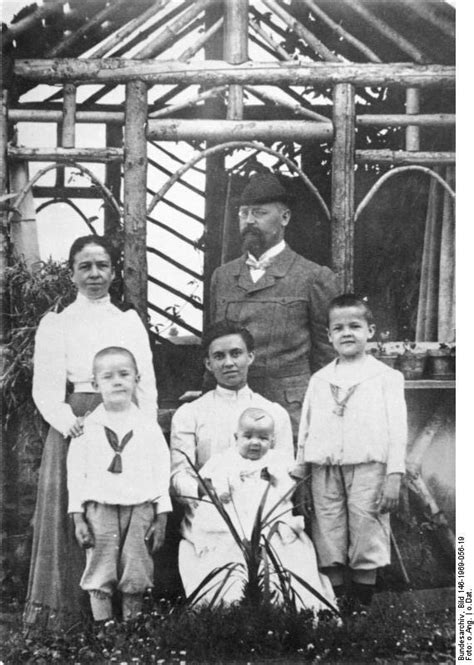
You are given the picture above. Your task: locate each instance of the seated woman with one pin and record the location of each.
(240, 477)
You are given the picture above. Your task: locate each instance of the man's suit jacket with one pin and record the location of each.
(286, 312)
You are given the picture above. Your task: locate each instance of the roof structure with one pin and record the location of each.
(286, 60)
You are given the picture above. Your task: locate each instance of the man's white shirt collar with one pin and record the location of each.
(272, 251)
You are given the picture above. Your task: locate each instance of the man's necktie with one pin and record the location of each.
(257, 264)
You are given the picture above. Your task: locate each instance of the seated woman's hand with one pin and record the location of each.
(302, 498)
(225, 497)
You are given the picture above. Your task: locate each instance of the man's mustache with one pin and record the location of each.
(250, 230)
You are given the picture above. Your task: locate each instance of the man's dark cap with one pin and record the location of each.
(264, 188)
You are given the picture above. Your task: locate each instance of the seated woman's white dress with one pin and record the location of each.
(208, 543)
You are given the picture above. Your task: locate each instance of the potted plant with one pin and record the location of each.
(441, 361)
(412, 361)
(382, 352)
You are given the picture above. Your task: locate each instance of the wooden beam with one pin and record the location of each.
(342, 186)
(403, 157)
(120, 35)
(403, 120)
(65, 155)
(279, 50)
(135, 168)
(76, 35)
(170, 34)
(306, 35)
(218, 72)
(341, 32)
(201, 41)
(51, 115)
(236, 30)
(245, 130)
(297, 109)
(118, 117)
(387, 31)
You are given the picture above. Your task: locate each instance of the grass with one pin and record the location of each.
(168, 634)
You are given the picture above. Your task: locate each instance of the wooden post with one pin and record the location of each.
(3, 217)
(236, 30)
(113, 178)
(412, 132)
(3, 304)
(135, 166)
(215, 188)
(69, 116)
(342, 198)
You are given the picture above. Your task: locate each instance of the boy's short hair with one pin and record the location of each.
(222, 329)
(110, 351)
(351, 300)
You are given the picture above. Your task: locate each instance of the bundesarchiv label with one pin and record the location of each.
(465, 620)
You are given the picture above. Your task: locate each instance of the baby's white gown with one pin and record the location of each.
(209, 544)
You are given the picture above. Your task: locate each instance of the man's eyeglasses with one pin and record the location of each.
(257, 213)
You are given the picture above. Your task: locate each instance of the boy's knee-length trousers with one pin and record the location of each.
(347, 526)
(120, 558)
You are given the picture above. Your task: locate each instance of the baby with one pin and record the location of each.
(240, 476)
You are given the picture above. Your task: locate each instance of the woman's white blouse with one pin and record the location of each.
(65, 346)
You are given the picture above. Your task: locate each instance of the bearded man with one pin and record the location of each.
(278, 295)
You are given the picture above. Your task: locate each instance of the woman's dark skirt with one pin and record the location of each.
(54, 599)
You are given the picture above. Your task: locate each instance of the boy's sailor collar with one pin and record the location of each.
(370, 368)
(233, 394)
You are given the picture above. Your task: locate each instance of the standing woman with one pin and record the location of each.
(65, 346)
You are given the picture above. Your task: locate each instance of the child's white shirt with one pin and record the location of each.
(145, 462)
(373, 424)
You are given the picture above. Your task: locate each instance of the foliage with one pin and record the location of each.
(394, 631)
(47, 287)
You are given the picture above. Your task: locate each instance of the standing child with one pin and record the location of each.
(118, 480)
(353, 437)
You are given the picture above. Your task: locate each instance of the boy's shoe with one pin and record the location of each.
(363, 594)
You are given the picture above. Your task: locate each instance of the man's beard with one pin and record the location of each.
(252, 242)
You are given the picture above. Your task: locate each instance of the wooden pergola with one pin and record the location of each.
(339, 48)
(352, 54)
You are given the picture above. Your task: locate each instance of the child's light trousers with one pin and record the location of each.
(120, 558)
(348, 529)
